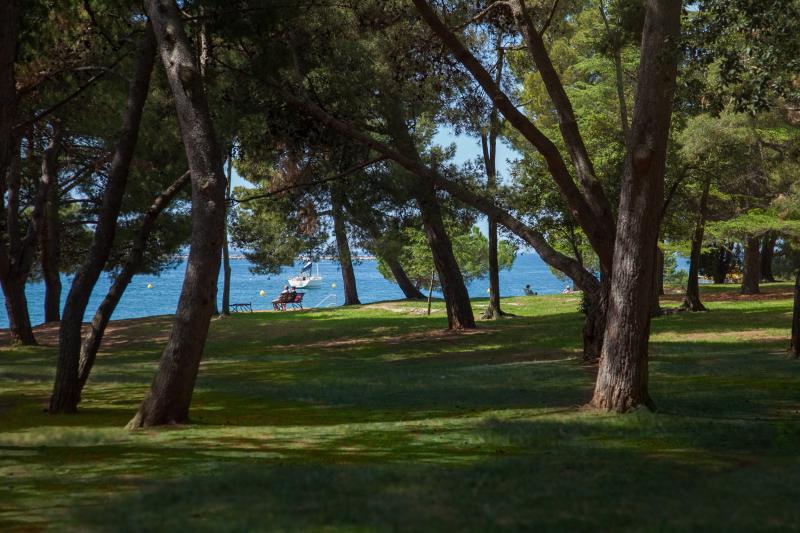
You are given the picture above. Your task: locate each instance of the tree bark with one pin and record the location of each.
(622, 379)
(456, 297)
(569, 266)
(19, 320)
(97, 327)
(49, 233)
(751, 269)
(588, 205)
(406, 285)
(658, 284)
(9, 27)
(170, 394)
(493, 310)
(366, 222)
(226, 254)
(459, 307)
(794, 346)
(489, 145)
(724, 258)
(767, 254)
(343, 250)
(692, 301)
(594, 324)
(66, 390)
(16, 258)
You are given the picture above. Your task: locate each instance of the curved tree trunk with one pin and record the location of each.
(622, 376)
(692, 300)
(751, 269)
(767, 254)
(16, 260)
(97, 327)
(13, 282)
(66, 390)
(459, 308)
(49, 237)
(19, 320)
(794, 346)
(170, 394)
(410, 290)
(343, 250)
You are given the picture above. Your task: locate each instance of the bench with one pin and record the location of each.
(288, 298)
(241, 307)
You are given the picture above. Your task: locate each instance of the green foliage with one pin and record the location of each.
(470, 247)
(754, 223)
(753, 49)
(273, 232)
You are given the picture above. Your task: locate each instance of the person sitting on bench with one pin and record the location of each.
(287, 295)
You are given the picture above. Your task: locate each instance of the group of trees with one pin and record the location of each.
(644, 127)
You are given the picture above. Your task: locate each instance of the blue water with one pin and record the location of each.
(162, 297)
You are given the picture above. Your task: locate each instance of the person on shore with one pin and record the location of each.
(529, 291)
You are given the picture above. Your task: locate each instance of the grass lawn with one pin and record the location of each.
(375, 418)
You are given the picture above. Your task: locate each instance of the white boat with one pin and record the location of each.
(306, 280)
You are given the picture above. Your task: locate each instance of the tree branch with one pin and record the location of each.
(591, 210)
(339, 176)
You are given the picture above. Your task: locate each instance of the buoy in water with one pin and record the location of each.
(333, 285)
(262, 292)
(149, 285)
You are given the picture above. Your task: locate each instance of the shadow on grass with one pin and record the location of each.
(576, 474)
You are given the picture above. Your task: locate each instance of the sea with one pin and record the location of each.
(158, 295)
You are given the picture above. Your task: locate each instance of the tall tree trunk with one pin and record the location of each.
(692, 301)
(9, 27)
(794, 347)
(226, 253)
(343, 250)
(66, 390)
(751, 269)
(724, 259)
(410, 290)
(170, 394)
(493, 311)
(767, 254)
(489, 145)
(97, 327)
(16, 258)
(49, 234)
(622, 376)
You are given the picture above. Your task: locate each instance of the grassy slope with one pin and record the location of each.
(374, 418)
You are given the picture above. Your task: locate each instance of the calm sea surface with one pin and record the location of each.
(162, 296)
